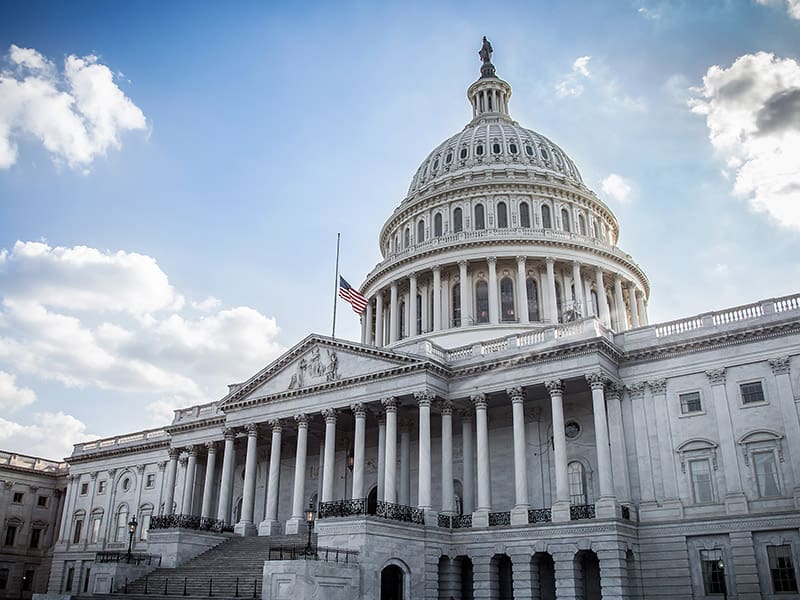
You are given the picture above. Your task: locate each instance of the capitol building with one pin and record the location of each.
(510, 424)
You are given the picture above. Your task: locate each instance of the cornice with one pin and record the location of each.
(199, 424)
(111, 452)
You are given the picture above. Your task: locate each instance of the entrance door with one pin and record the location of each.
(392, 583)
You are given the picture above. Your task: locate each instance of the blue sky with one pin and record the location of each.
(170, 226)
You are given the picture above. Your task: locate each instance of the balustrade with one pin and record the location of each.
(400, 512)
(188, 522)
(499, 518)
(343, 508)
(540, 515)
(581, 511)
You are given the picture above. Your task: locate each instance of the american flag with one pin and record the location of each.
(352, 295)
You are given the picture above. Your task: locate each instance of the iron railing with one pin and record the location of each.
(400, 512)
(133, 558)
(581, 511)
(499, 518)
(188, 522)
(343, 508)
(455, 521)
(540, 515)
(322, 553)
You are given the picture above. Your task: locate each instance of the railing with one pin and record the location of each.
(581, 511)
(490, 347)
(626, 512)
(499, 518)
(141, 436)
(188, 522)
(400, 512)
(31, 463)
(530, 339)
(455, 521)
(343, 508)
(337, 555)
(540, 515)
(133, 558)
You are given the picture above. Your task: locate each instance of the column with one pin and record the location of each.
(412, 305)
(424, 400)
(425, 316)
(619, 451)
(577, 284)
(602, 301)
(552, 303)
(226, 485)
(640, 309)
(370, 336)
(587, 297)
(299, 492)
(781, 366)
(208, 484)
(381, 417)
(394, 314)
(519, 516)
(666, 446)
(172, 471)
(360, 413)
(561, 504)
(643, 462)
(390, 466)
(607, 502)
(437, 298)
(522, 291)
(494, 310)
(66, 515)
(404, 489)
(735, 501)
(619, 301)
(634, 305)
(468, 461)
(270, 524)
(482, 448)
(465, 293)
(363, 329)
(329, 464)
(379, 319)
(188, 485)
(447, 457)
(245, 526)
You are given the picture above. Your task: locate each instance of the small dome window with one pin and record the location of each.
(512, 148)
(496, 148)
(463, 154)
(529, 150)
(449, 158)
(479, 150)
(545, 155)
(436, 164)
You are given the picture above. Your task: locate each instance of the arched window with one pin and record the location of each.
(403, 330)
(121, 527)
(507, 312)
(524, 215)
(418, 324)
(502, 215)
(482, 301)
(533, 299)
(547, 222)
(582, 224)
(480, 217)
(406, 238)
(565, 224)
(458, 220)
(420, 231)
(456, 305)
(96, 522)
(396, 243)
(559, 303)
(437, 224)
(576, 476)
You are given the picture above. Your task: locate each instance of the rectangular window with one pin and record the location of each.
(27, 580)
(76, 536)
(96, 529)
(150, 482)
(144, 526)
(41, 502)
(36, 535)
(86, 580)
(3, 579)
(752, 393)
(690, 403)
(18, 496)
(781, 569)
(101, 487)
(766, 474)
(713, 571)
(84, 489)
(11, 535)
(70, 578)
(700, 472)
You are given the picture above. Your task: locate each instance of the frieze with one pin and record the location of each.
(724, 525)
(312, 368)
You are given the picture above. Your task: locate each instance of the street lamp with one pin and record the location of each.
(131, 531)
(349, 462)
(310, 515)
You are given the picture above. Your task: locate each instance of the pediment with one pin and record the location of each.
(315, 362)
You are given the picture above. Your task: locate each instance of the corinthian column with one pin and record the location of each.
(520, 513)
(360, 413)
(467, 461)
(390, 476)
(437, 298)
(298, 495)
(577, 284)
(634, 305)
(329, 463)
(245, 526)
(781, 366)
(484, 476)
(424, 400)
(465, 292)
(622, 317)
(379, 319)
(412, 305)
(208, 484)
(493, 307)
(552, 300)
(226, 485)
(561, 504)
(522, 291)
(606, 504)
(172, 471)
(370, 335)
(381, 417)
(394, 314)
(602, 300)
(270, 525)
(188, 483)
(447, 457)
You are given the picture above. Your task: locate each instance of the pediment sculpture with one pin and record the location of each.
(312, 369)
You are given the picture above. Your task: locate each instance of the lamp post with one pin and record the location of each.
(310, 515)
(350, 461)
(131, 531)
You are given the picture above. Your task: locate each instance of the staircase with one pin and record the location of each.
(233, 569)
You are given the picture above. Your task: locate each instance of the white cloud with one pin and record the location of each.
(792, 6)
(13, 397)
(653, 14)
(752, 111)
(570, 85)
(581, 65)
(600, 84)
(617, 188)
(51, 435)
(77, 115)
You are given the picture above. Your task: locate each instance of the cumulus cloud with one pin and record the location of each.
(50, 435)
(77, 114)
(617, 188)
(752, 111)
(571, 84)
(13, 397)
(792, 6)
(600, 84)
(112, 321)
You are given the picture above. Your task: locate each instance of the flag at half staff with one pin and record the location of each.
(352, 295)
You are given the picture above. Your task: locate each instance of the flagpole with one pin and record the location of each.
(336, 287)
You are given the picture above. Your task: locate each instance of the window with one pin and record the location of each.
(84, 489)
(781, 569)
(524, 215)
(559, 302)
(463, 154)
(406, 238)
(27, 580)
(547, 222)
(76, 534)
(97, 519)
(418, 324)
(512, 148)
(70, 579)
(482, 301)
(150, 480)
(3, 579)
(690, 403)
(86, 579)
(437, 224)
(544, 153)
(121, 532)
(18, 496)
(507, 312)
(582, 224)
(41, 502)
(577, 483)
(502, 215)
(456, 307)
(766, 474)
(752, 393)
(529, 150)
(449, 158)
(533, 299)
(565, 225)
(101, 486)
(144, 521)
(36, 536)
(479, 150)
(700, 472)
(496, 148)
(458, 221)
(420, 231)
(435, 164)
(403, 327)
(713, 571)
(11, 535)
(480, 217)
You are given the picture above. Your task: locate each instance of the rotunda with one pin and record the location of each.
(497, 235)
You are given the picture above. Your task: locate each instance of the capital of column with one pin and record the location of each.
(631, 286)
(716, 376)
(211, 447)
(780, 365)
(112, 472)
(329, 415)
(597, 381)
(183, 460)
(174, 453)
(424, 398)
(301, 420)
(161, 465)
(555, 387)
(359, 410)
(93, 475)
(521, 260)
(516, 394)
(140, 469)
(550, 260)
(492, 260)
(658, 386)
(636, 389)
(466, 414)
(251, 429)
(447, 407)
(191, 450)
(613, 391)
(390, 404)
(617, 279)
(276, 425)
(380, 416)
(479, 401)
(412, 275)
(229, 433)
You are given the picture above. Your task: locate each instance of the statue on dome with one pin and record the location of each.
(486, 51)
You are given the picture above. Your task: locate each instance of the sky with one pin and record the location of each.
(173, 176)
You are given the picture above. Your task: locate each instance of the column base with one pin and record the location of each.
(245, 529)
(519, 515)
(560, 511)
(480, 518)
(736, 504)
(295, 525)
(270, 528)
(607, 508)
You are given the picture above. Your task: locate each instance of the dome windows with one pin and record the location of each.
(507, 313)
(544, 153)
(463, 154)
(582, 224)
(456, 304)
(480, 217)
(458, 220)
(437, 224)
(479, 150)
(533, 299)
(529, 150)
(436, 164)
(420, 231)
(448, 158)
(496, 148)
(502, 215)
(406, 238)
(547, 221)
(482, 301)
(565, 224)
(524, 215)
(512, 148)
